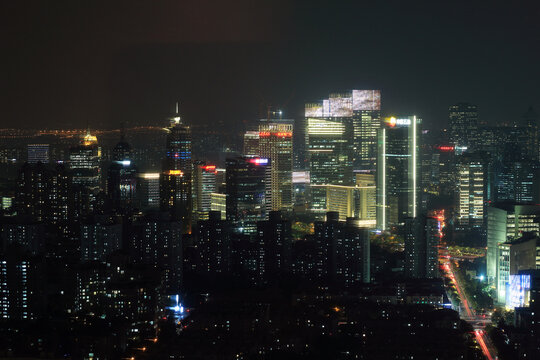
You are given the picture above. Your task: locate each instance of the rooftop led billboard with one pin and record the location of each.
(343, 105)
(366, 100)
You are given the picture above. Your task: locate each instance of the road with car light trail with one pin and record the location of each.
(478, 322)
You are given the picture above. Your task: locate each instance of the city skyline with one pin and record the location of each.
(270, 180)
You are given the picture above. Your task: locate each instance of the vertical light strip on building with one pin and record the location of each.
(384, 180)
(414, 166)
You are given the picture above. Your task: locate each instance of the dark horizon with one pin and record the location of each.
(73, 64)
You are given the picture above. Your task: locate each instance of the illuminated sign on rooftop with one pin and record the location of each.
(344, 105)
(259, 161)
(175, 172)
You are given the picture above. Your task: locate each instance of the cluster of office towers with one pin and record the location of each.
(343, 159)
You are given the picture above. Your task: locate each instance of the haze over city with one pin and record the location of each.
(270, 180)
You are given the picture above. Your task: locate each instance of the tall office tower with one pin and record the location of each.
(100, 238)
(176, 176)
(360, 108)
(506, 222)
(85, 167)
(251, 143)
(463, 123)
(218, 202)
(515, 181)
(275, 244)
(43, 192)
(421, 247)
(156, 240)
(329, 146)
(84, 162)
(214, 244)
(21, 285)
(122, 177)
(530, 120)
(398, 171)
(471, 194)
(248, 184)
(204, 184)
(342, 255)
(276, 143)
(148, 190)
(443, 171)
(38, 153)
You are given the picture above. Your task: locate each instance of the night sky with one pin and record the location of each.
(69, 63)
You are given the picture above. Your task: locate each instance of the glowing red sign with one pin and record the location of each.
(446, 148)
(264, 134)
(259, 161)
(284, 134)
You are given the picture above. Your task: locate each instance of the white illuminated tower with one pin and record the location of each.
(398, 170)
(471, 194)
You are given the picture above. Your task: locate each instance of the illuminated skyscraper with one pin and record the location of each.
(248, 185)
(329, 144)
(276, 143)
(251, 143)
(84, 163)
(175, 186)
(204, 184)
(471, 176)
(463, 123)
(148, 190)
(398, 171)
(363, 109)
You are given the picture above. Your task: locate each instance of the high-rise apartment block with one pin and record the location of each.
(342, 254)
(421, 247)
(275, 243)
(214, 244)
